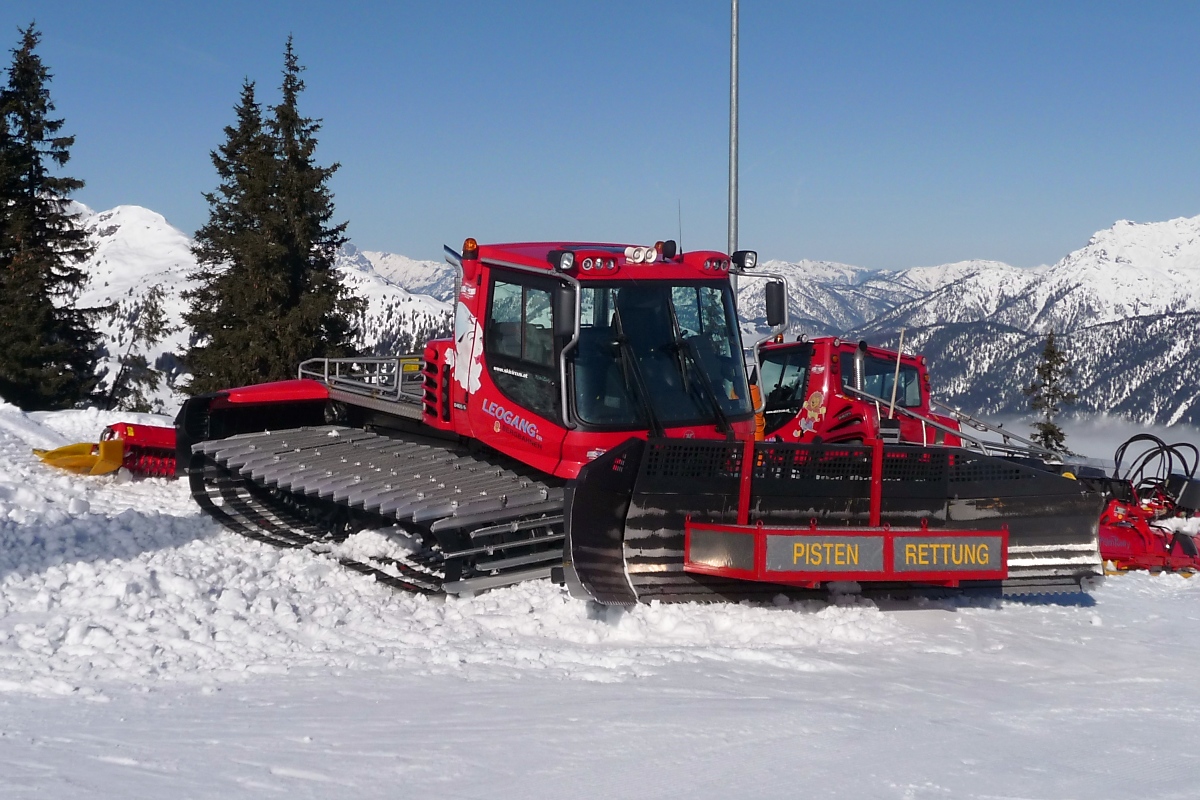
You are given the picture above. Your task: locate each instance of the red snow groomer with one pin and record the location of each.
(591, 420)
(1149, 522)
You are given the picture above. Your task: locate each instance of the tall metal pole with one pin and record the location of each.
(733, 132)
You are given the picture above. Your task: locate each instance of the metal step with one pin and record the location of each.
(471, 585)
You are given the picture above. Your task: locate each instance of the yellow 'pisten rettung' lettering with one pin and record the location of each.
(934, 554)
(816, 554)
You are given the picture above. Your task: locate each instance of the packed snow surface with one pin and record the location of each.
(145, 652)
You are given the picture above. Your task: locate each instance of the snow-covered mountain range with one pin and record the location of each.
(137, 249)
(1127, 305)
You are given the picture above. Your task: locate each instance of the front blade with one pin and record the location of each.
(1052, 521)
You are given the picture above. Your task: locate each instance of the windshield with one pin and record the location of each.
(679, 336)
(783, 382)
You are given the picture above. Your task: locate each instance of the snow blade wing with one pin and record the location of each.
(597, 502)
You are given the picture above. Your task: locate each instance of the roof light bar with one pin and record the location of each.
(597, 264)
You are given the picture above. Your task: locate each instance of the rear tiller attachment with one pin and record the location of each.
(141, 449)
(1149, 522)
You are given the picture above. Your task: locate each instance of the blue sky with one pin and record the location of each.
(882, 134)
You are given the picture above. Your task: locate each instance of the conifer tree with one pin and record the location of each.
(48, 348)
(320, 311)
(268, 296)
(240, 291)
(1048, 393)
(136, 378)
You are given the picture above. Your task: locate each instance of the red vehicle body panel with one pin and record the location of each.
(276, 392)
(147, 449)
(1130, 539)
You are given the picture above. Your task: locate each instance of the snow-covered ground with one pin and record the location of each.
(145, 652)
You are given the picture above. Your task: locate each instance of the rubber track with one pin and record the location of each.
(237, 504)
(262, 486)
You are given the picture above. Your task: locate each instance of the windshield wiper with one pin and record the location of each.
(689, 349)
(683, 348)
(631, 368)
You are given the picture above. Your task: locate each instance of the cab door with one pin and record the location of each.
(517, 409)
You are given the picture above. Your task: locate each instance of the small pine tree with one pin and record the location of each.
(1048, 394)
(267, 295)
(48, 347)
(136, 378)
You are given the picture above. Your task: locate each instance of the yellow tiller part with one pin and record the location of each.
(86, 458)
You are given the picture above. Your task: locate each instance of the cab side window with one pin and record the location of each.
(879, 376)
(519, 343)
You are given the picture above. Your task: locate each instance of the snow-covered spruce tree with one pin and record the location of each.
(48, 347)
(267, 295)
(1048, 394)
(136, 378)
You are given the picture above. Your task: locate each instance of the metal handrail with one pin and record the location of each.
(981, 425)
(395, 378)
(984, 446)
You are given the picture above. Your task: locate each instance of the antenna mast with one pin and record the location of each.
(733, 139)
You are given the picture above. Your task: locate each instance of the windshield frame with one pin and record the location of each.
(799, 355)
(705, 416)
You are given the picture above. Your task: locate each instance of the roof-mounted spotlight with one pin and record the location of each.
(561, 260)
(744, 260)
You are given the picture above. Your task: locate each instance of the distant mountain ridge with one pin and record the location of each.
(137, 249)
(1127, 306)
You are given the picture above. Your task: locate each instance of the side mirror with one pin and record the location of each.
(564, 311)
(776, 304)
